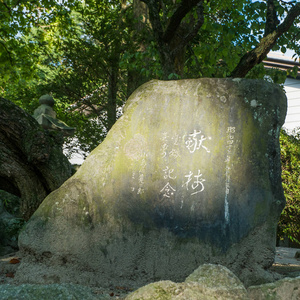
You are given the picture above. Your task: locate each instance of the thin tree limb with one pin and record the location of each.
(271, 17)
(157, 27)
(288, 21)
(7, 7)
(188, 38)
(259, 53)
(183, 9)
(7, 51)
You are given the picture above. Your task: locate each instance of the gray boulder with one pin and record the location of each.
(287, 288)
(190, 174)
(47, 292)
(10, 222)
(207, 282)
(10, 203)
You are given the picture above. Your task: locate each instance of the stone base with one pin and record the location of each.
(138, 257)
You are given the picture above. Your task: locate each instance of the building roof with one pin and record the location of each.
(282, 63)
(291, 86)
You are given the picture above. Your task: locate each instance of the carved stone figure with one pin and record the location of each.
(46, 116)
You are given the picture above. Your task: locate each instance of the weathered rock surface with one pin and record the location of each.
(287, 288)
(10, 223)
(189, 174)
(217, 282)
(47, 292)
(207, 282)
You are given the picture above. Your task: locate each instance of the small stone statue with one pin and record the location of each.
(46, 116)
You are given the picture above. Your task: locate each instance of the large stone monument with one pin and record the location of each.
(189, 174)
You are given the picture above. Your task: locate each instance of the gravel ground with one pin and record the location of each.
(10, 262)
(285, 263)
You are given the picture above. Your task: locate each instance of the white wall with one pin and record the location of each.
(292, 88)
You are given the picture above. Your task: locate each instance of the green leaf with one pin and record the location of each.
(283, 49)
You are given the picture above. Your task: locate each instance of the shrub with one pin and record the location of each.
(289, 223)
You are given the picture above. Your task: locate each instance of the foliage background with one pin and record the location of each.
(90, 55)
(289, 224)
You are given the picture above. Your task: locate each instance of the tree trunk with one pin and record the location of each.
(173, 37)
(141, 17)
(112, 92)
(32, 163)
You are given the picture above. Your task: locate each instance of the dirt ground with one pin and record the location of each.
(285, 264)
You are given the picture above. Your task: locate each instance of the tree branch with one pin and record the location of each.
(7, 7)
(259, 53)
(154, 8)
(288, 21)
(183, 9)
(271, 17)
(194, 31)
(8, 53)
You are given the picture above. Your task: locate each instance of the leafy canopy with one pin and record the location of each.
(289, 224)
(92, 54)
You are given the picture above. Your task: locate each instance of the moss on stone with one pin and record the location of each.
(134, 204)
